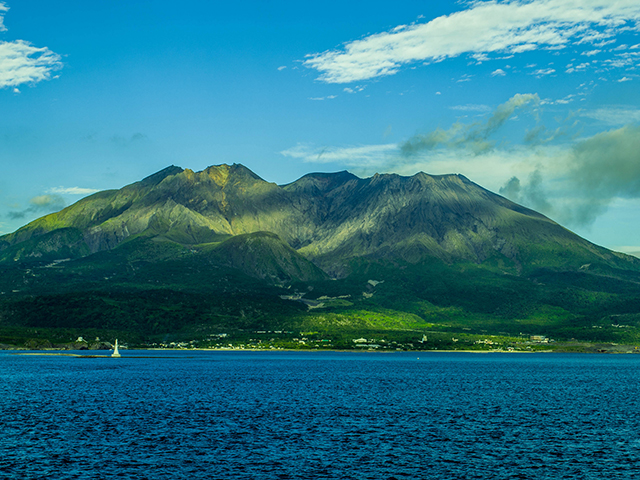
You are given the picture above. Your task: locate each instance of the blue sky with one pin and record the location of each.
(536, 100)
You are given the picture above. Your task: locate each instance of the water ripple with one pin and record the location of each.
(309, 415)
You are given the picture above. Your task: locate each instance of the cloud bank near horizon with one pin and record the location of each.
(572, 182)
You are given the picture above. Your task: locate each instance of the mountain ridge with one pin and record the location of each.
(328, 218)
(222, 253)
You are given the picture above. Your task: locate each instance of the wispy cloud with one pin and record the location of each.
(577, 68)
(463, 148)
(3, 10)
(21, 62)
(471, 108)
(367, 155)
(356, 89)
(543, 71)
(622, 60)
(613, 115)
(328, 97)
(128, 140)
(573, 183)
(590, 176)
(498, 73)
(40, 204)
(474, 136)
(486, 27)
(72, 190)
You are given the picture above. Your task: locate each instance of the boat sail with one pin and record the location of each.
(116, 353)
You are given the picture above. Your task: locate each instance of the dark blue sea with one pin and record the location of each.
(307, 415)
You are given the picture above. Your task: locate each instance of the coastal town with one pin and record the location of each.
(274, 340)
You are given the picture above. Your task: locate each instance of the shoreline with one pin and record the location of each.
(57, 352)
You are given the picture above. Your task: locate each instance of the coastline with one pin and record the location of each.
(60, 352)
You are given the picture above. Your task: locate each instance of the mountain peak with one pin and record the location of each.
(218, 173)
(157, 177)
(330, 218)
(221, 174)
(321, 181)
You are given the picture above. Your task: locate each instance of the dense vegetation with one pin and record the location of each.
(221, 257)
(148, 292)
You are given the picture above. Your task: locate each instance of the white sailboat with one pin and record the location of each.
(116, 353)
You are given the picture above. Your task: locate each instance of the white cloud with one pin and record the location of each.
(498, 73)
(20, 62)
(550, 193)
(613, 115)
(561, 101)
(543, 71)
(624, 79)
(572, 183)
(578, 68)
(480, 57)
(3, 8)
(526, 47)
(367, 155)
(357, 88)
(72, 190)
(492, 169)
(485, 27)
(328, 97)
(623, 59)
(604, 43)
(281, 68)
(471, 108)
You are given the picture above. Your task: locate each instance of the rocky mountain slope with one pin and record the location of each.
(224, 254)
(329, 219)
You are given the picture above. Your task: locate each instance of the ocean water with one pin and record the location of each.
(307, 415)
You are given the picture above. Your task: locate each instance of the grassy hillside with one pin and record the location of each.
(150, 291)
